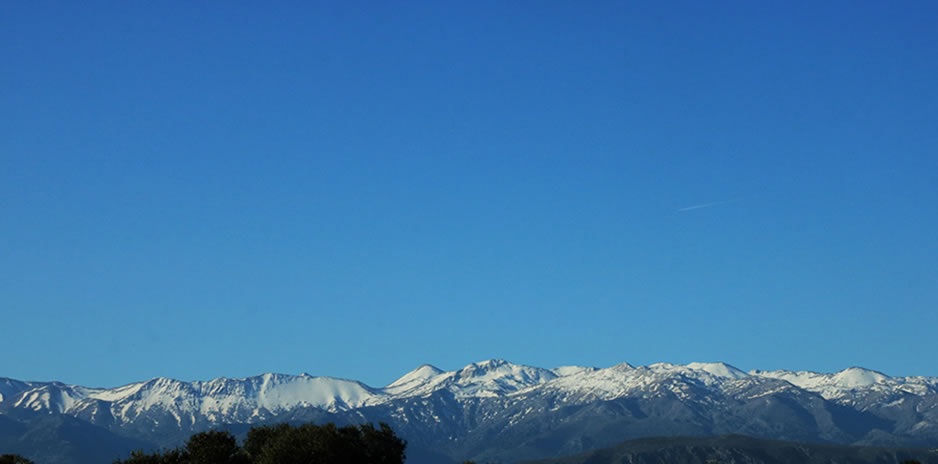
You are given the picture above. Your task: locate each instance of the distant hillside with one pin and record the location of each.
(737, 449)
(61, 439)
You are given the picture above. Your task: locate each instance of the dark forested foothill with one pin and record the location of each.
(285, 444)
(741, 449)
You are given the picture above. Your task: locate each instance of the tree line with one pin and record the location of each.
(284, 444)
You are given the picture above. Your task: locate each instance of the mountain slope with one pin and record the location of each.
(61, 439)
(741, 449)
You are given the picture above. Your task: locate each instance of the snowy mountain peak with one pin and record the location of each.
(718, 369)
(502, 368)
(496, 377)
(487, 365)
(54, 396)
(10, 388)
(855, 377)
(414, 378)
(624, 379)
(624, 366)
(840, 384)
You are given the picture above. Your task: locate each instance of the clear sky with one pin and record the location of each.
(205, 189)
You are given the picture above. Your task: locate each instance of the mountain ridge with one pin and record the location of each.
(709, 367)
(498, 410)
(489, 378)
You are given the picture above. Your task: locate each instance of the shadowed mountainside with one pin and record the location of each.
(737, 449)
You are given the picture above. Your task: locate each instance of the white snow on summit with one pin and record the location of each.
(718, 369)
(624, 380)
(856, 377)
(55, 397)
(843, 384)
(9, 388)
(260, 397)
(495, 377)
(413, 379)
(215, 399)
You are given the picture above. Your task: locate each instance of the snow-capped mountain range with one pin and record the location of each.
(224, 399)
(449, 408)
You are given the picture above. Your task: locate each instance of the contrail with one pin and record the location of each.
(703, 205)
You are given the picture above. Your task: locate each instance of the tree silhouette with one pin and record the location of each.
(214, 447)
(285, 444)
(309, 443)
(14, 459)
(173, 456)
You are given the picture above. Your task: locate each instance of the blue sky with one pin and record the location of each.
(353, 189)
